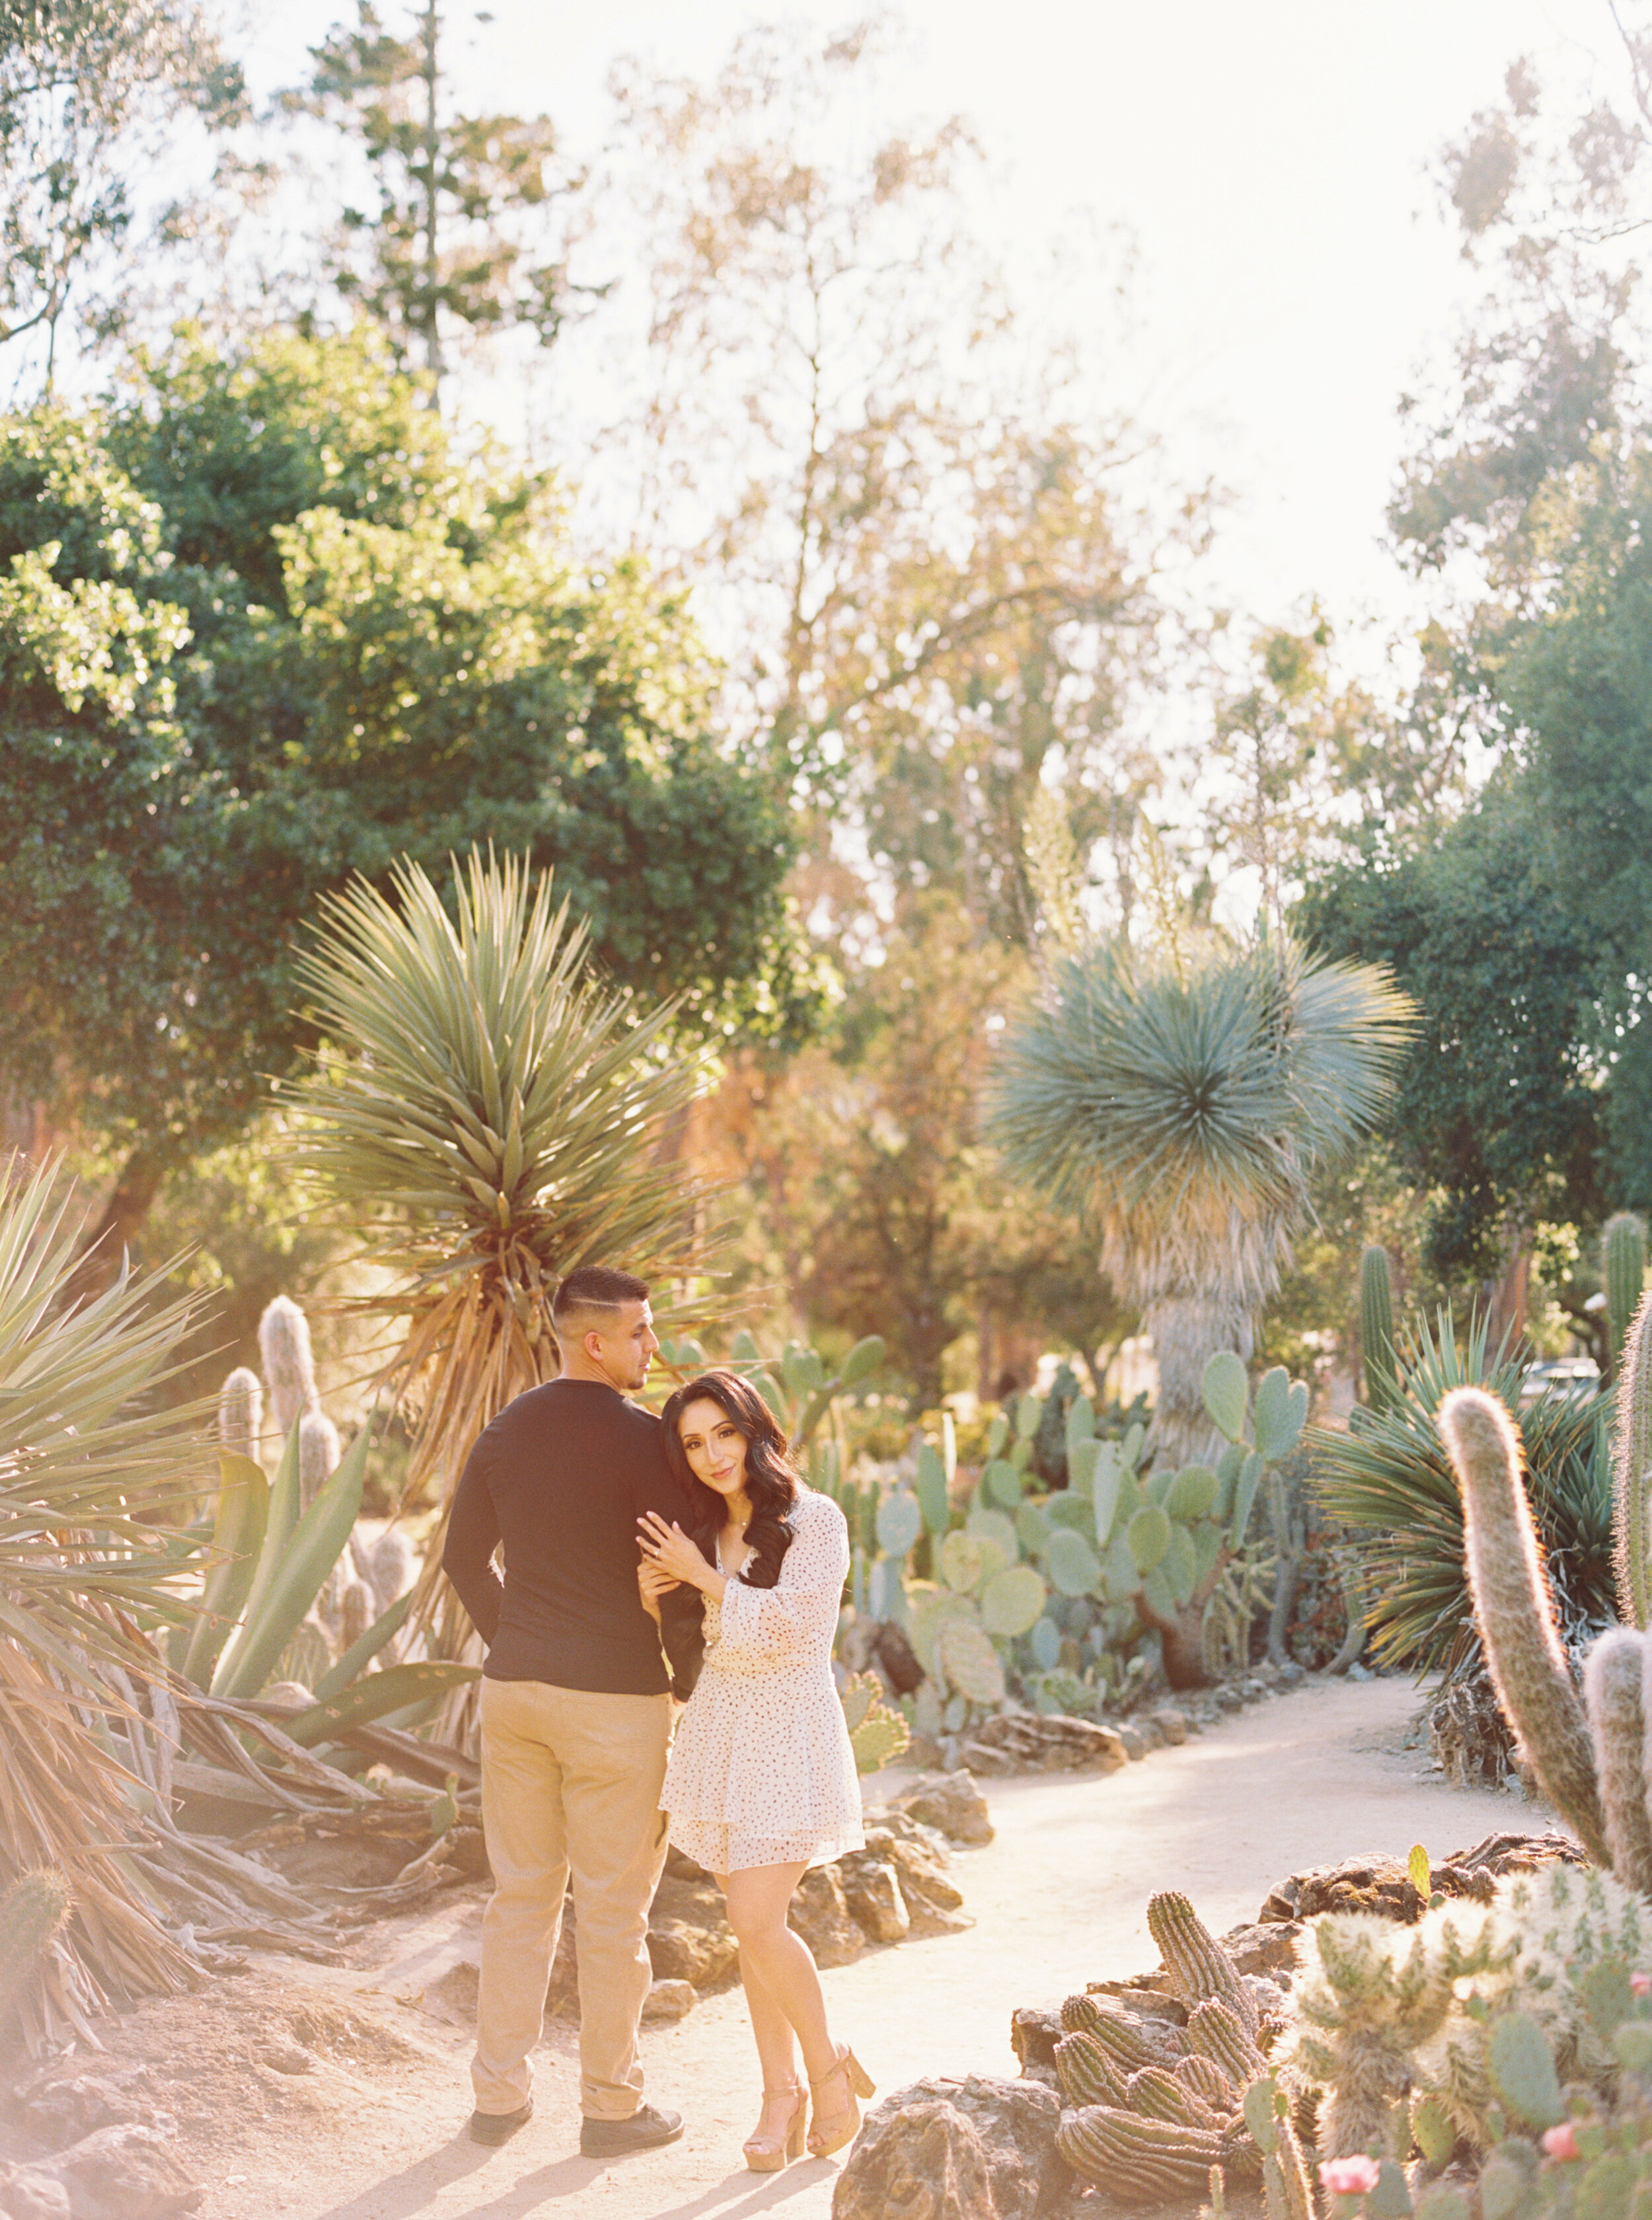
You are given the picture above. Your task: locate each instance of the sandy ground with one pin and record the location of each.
(375, 2129)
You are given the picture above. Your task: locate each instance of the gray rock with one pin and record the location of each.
(1135, 1742)
(60, 2107)
(127, 2172)
(974, 2149)
(1171, 1723)
(871, 1889)
(32, 2193)
(952, 1803)
(1291, 1674)
(668, 2000)
(821, 1915)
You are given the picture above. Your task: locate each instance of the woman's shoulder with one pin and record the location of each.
(810, 1509)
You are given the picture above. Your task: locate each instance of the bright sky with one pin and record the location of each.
(1295, 271)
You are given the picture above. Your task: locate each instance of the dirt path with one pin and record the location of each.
(1059, 1896)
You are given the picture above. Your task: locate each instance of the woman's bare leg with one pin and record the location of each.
(776, 1965)
(776, 2045)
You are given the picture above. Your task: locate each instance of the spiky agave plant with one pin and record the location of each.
(488, 1115)
(88, 1472)
(1390, 1480)
(1186, 1104)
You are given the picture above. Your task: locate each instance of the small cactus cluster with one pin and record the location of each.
(32, 1911)
(877, 1733)
(1151, 2106)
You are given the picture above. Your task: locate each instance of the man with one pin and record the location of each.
(576, 1709)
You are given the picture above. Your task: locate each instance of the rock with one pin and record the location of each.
(1228, 1698)
(678, 1952)
(952, 1803)
(934, 1902)
(821, 1915)
(668, 2000)
(1268, 1949)
(32, 2193)
(680, 1867)
(462, 1847)
(1292, 1674)
(127, 2172)
(1147, 1726)
(1135, 1742)
(974, 2149)
(1253, 1690)
(1034, 2033)
(279, 2051)
(1171, 1723)
(1049, 1741)
(60, 2108)
(924, 1751)
(871, 1889)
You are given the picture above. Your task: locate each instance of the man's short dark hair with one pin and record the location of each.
(597, 1288)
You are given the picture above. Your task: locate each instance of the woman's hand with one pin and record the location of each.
(668, 1551)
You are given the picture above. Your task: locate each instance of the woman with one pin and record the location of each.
(761, 1784)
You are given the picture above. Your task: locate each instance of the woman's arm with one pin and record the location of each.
(677, 1558)
(799, 1613)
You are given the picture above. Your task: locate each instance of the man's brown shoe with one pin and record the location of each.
(500, 2127)
(647, 2128)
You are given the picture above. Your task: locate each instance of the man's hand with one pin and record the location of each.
(653, 1584)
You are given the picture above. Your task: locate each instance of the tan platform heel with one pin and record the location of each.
(832, 2130)
(769, 2154)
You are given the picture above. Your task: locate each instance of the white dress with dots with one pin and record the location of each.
(761, 1771)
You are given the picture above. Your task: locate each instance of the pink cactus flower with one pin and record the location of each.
(1350, 2176)
(1560, 2142)
(1641, 1983)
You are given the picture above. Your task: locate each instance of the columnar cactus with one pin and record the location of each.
(1632, 1470)
(319, 1451)
(1126, 2041)
(240, 1412)
(1213, 2032)
(1622, 1257)
(1162, 2096)
(289, 1365)
(1524, 1652)
(31, 1911)
(1088, 2072)
(1284, 2174)
(1376, 1330)
(1613, 1680)
(1145, 2161)
(1206, 2080)
(1198, 1965)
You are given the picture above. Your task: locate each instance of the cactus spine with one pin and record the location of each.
(1207, 2080)
(1213, 2032)
(1613, 1698)
(1376, 1330)
(1145, 2161)
(1198, 1965)
(1126, 2041)
(1524, 1650)
(1632, 1471)
(1622, 1257)
(240, 1412)
(31, 1911)
(1088, 2072)
(1161, 2096)
(319, 1451)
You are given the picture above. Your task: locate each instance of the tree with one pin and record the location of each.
(464, 200)
(80, 84)
(1187, 1103)
(263, 631)
(1497, 1110)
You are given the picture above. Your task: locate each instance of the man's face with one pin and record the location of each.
(623, 1346)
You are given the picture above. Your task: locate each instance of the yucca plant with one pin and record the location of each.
(87, 1468)
(1184, 1103)
(488, 1115)
(1388, 1481)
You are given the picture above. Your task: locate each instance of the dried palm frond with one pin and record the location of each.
(489, 1117)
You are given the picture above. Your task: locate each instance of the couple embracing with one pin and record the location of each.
(647, 1562)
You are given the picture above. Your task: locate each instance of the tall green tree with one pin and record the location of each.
(262, 630)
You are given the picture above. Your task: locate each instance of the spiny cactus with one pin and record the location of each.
(1214, 2032)
(1284, 2173)
(319, 1451)
(1376, 1330)
(1088, 2070)
(1127, 2040)
(1198, 1965)
(1145, 2161)
(240, 1412)
(1206, 2080)
(1524, 1652)
(1162, 2096)
(289, 1365)
(1632, 1471)
(31, 1911)
(1622, 1257)
(1613, 1680)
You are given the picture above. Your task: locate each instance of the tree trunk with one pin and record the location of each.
(115, 1234)
(1186, 1332)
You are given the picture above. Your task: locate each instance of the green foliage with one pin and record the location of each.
(876, 1734)
(266, 612)
(1389, 1480)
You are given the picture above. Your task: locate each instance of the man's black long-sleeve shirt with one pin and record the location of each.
(561, 1477)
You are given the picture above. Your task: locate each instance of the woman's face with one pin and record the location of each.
(713, 1445)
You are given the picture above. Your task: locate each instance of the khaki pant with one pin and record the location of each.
(570, 1782)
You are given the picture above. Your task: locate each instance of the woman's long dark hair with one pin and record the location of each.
(771, 1478)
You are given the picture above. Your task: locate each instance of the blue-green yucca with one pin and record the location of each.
(1185, 1106)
